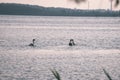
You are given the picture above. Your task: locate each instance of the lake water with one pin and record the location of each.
(97, 46)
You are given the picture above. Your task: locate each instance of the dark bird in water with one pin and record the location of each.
(32, 44)
(71, 43)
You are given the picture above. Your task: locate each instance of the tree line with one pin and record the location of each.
(24, 9)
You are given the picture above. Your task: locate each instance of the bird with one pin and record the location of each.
(71, 43)
(32, 44)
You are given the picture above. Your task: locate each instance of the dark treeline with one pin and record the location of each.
(22, 9)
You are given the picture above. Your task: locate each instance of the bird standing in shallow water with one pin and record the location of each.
(71, 43)
(33, 42)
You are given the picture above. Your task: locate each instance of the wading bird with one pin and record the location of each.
(71, 43)
(33, 42)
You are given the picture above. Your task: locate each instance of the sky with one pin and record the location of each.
(93, 4)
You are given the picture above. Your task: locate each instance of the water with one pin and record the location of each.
(97, 46)
(54, 32)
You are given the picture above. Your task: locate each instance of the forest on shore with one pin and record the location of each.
(25, 9)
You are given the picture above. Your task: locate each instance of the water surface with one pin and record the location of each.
(97, 46)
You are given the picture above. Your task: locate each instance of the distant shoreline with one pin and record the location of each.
(55, 16)
(33, 10)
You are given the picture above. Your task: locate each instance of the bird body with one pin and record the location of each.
(71, 43)
(31, 44)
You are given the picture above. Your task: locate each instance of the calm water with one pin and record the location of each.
(97, 46)
(16, 32)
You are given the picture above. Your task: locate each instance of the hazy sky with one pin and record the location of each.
(93, 4)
